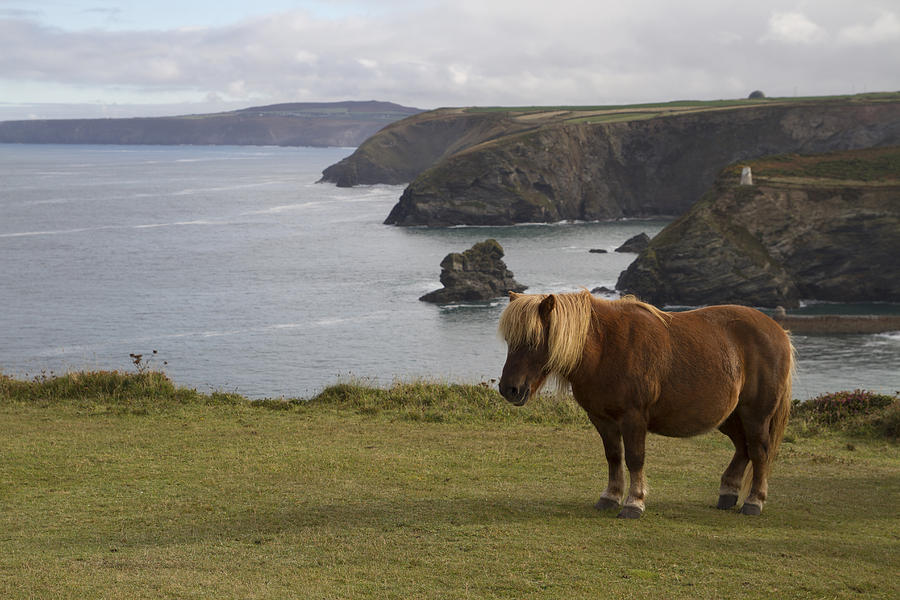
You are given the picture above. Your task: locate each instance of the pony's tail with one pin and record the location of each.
(778, 424)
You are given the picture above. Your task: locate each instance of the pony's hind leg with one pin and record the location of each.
(758, 449)
(634, 435)
(732, 478)
(612, 447)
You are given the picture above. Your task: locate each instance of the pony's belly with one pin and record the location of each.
(686, 422)
(681, 429)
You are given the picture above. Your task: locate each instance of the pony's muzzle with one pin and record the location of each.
(516, 395)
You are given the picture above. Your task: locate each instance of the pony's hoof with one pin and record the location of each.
(630, 512)
(606, 504)
(727, 501)
(751, 509)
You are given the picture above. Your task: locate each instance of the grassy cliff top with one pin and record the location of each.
(869, 166)
(631, 112)
(519, 118)
(148, 391)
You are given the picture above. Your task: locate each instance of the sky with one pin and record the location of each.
(92, 58)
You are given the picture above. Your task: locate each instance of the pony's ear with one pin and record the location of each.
(513, 295)
(546, 307)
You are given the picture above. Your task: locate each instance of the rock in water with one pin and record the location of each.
(477, 274)
(635, 244)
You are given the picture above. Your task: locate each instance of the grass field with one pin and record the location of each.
(631, 112)
(125, 487)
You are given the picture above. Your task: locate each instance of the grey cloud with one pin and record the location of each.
(468, 52)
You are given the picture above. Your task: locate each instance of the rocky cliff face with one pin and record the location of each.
(403, 150)
(599, 170)
(777, 242)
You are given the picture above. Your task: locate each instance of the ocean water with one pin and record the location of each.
(245, 275)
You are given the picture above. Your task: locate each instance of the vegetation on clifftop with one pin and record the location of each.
(867, 165)
(116, 392)
(625, 112)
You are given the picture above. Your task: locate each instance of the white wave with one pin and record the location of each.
(17, 234)
(372, 198)
(563, 223)
(282, 208)
(224, 188)
(47, 201)
(50, 232)
(457, 305)
(893, 336)
(332, 321)
(179, 224)
(218, 158)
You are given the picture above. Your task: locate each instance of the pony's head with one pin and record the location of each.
(545, 335)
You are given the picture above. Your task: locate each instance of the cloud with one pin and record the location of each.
(464, 52)
(885, 28)
(793, 28)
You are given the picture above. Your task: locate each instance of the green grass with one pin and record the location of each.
(691, 104)
(417, 491)
(615, 117)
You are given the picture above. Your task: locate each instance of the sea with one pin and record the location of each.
(230, 269)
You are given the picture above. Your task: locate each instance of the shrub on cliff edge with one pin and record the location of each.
(859, 412)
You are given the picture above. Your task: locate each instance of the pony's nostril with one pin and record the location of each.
(509, 391)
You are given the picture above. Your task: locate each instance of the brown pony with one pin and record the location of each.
(634, 368)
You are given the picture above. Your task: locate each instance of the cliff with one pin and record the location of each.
(821, 227)
(589, 170)
(403, 150)
(296, 124)
(513, 165)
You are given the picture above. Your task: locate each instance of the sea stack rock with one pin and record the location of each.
(477, 274)
(635, 244)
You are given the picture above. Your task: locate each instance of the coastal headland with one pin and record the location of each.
(507, 165)
(293, 124)
(823, 227)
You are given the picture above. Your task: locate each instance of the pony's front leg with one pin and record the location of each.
(634, 434)
(612, 447)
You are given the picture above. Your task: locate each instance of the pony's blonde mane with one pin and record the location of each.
(567, 329)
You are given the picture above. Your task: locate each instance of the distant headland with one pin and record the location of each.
(293, 124)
